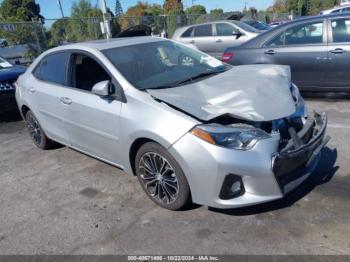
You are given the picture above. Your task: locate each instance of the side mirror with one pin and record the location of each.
(237, 33)
(103, 88)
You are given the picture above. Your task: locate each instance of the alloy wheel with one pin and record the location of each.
(158, 178)
(34, 129)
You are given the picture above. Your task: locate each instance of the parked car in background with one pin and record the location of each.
(335, 10)
(8, 75)
(259, 25)
(316, 48)
(278, 23)
(3, 42)
(213, 38)
(344, 2)
(205, 132)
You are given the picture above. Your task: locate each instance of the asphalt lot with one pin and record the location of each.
(63, 202)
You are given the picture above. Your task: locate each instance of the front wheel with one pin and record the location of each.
(161, 177)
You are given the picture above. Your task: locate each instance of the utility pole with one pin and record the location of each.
(105, 25)
(60, 5)
(193, 2)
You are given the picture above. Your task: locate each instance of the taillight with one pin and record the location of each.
(227, 57)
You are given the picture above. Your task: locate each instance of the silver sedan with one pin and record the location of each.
(191, 128)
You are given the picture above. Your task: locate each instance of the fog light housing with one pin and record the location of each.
(232, 187)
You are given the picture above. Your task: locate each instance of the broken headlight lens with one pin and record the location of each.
(241, 138)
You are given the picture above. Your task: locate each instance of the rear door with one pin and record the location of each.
(204, 38)
(45, 90)
(304, 48)
(338, 73)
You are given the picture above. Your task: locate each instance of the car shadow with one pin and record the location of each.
(10, 116)
(322, 174)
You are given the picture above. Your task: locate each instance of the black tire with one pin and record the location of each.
(36, 133)
(169, 177)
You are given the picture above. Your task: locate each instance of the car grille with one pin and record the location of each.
(6, 87)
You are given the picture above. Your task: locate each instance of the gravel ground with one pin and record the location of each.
(64, 202)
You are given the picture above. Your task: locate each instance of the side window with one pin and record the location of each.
(224, 29)
(311, 33)
(53, 68)
(277, 41)
(203, 30)
(86, 72)
(341, 30)
(188, 32)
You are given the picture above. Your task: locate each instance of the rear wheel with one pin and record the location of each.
(36, 132)
(161, 177)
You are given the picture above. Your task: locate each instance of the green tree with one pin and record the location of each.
(20, 10)
(84, 22)
(31, 34)
(216, 14)
(195, 14)
(118, 11)
(142, 13)
(58, 32)
(175, 11)
(196, 10)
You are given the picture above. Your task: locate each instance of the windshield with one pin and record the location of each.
(163, 64)
(258, 25)
(4, 63)
(246, 27)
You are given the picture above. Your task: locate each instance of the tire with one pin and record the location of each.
(36, 132)
(169, 188)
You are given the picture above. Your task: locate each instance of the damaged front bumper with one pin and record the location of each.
(264, 174)
(295, 162)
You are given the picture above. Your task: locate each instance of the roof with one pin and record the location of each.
(112, 43)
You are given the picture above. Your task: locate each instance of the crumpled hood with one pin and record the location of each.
(249, 92)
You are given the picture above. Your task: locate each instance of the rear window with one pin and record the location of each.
(188, 32)
(224, 29)
(341, 30)
(53, 68)
(246, 27)
(203, 30)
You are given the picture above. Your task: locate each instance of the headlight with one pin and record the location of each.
(240, 137)
(301, 108)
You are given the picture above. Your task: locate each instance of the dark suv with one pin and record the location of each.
(8, 75)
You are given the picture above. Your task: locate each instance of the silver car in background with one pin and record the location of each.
(214, 37)
(204, 131)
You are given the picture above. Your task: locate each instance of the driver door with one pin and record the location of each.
(92, 121)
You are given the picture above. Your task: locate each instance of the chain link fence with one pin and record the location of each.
(21, 42)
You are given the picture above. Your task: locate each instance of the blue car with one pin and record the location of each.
(8, 76)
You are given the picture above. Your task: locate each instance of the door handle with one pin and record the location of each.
(270, 52)
(192, 42)
(31, 90)
(66, 100)
(219, 41)
(337, 51)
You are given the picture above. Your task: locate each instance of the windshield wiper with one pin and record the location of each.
(191, 79)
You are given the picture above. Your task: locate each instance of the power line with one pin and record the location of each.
(60, 6)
